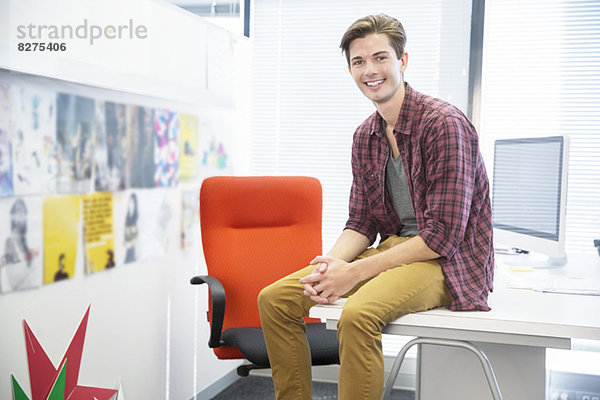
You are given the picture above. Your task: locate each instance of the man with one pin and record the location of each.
(420, 183)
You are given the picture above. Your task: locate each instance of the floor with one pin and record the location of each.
(261, 388)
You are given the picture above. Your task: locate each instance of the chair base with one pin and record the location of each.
(244, 370)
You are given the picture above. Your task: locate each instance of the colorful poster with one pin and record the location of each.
(21, 241)
(140, 127)
(188, 162)
(6, 175)
(98, 229)
(215, 154)
(166, 151)
(190, 221)
(216, 145)
(33, 113)
(60, 216)
(75, 142)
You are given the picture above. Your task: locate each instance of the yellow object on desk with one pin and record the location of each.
(521, 268)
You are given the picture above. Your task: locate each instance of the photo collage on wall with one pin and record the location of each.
(78, 171)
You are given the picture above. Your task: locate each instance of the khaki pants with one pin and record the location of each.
(370, 306)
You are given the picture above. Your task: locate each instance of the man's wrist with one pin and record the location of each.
(360, 269)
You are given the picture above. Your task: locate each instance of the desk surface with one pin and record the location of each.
(518, 316)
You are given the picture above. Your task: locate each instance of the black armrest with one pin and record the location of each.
(217, 294)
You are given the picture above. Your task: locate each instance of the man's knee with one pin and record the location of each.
(267, 296)
(357, 317)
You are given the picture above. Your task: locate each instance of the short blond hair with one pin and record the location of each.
(379, 23)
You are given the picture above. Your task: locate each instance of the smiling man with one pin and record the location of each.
(419, 183)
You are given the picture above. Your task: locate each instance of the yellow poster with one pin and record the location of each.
(60, 216)
(188, 162)
(99, 234)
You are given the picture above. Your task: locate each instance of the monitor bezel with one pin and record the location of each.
(530, 240)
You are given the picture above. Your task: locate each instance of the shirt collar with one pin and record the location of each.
(404, 123)
(407, 111)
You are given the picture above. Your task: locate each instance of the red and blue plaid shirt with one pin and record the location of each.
(448, 186)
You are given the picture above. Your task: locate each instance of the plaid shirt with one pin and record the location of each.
(448, 186)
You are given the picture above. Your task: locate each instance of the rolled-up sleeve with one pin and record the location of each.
(360, 219)
(452, 151)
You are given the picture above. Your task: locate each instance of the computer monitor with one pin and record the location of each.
(529, 198)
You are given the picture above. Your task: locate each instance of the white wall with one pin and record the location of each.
(147, 325)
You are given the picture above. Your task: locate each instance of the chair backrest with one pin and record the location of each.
(256, 230)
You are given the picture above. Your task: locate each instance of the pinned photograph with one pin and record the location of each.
(21, 241)
(33, 112)
(98, 231)
(126, 218)
(188, 149)
(75, 142)
(140, 128)
(61, 235)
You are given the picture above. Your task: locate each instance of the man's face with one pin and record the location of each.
(375, 67)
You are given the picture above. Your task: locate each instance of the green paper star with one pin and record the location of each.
(18, 393)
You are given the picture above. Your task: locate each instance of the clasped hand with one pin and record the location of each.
(331, 278)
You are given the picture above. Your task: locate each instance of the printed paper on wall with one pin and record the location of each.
(159, 223)
(166, 151)
(140, 127)
(216, 143)
(117, 145)
(98, 228)
(6, 175)
(188, 165)
(146, 224)
(21, 243)
(75, 142)
(33, 112)
(127, 226)
(110, 152)
(190, 225)
(101, 171)
(60, 216)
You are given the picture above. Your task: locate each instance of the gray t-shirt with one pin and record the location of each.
(397, 187)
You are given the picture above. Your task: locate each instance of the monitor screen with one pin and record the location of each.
(527, 185)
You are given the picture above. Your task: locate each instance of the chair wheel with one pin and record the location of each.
(243, 371)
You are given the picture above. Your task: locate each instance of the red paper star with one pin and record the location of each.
(43, 374)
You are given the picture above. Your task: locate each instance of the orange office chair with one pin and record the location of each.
(256, 230)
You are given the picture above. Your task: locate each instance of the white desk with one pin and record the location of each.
(514, 335)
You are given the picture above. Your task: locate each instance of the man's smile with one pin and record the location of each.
(374, 83)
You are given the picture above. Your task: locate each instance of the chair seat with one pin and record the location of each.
(323, 344)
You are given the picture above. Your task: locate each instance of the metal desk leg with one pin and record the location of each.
(485, 363)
